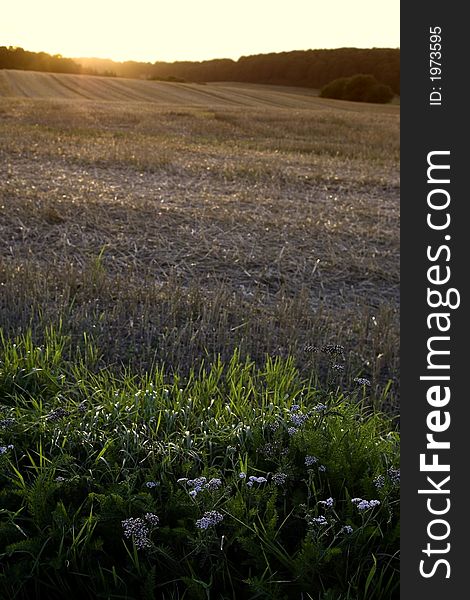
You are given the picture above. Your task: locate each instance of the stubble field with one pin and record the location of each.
(207, 218)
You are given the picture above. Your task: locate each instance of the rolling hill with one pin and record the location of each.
(33, 84)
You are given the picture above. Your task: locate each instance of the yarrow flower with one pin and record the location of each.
(279, 478)
(152, 518)
(310, 460)
(57, 414)
(298, 419)
(213, 484)
(136, 529)
(333, 349)
(209, 519)
(321, 520)
(362, 381)
(379, 482)
(394, 475)
(271, 448)
(197, 485)
(328, 503)
(252, 479)
(362, 505)
(337, 367)
(347, 529)
(310, 348)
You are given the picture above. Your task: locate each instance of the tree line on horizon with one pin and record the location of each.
(303, 68)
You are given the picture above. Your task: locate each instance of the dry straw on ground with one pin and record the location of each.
(178, 221)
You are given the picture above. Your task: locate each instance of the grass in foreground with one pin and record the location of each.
(235, 482)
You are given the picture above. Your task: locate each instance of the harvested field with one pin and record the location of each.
(174, 221)
(29, 84)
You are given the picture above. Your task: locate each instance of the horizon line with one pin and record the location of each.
(204, 59)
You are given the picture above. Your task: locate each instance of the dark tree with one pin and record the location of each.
(359, 88)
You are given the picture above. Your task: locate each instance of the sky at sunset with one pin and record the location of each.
(151, 30)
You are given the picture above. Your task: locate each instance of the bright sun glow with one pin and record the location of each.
(151, 30)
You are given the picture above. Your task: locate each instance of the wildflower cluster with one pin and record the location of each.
(213, 484)
(363, 505)
(4, 449)
(252, 480)
(347, 529)
(5, 423)
(209, 519)
(328, 503)
(298, 419)
(337, 367)
(394, 476)
(271, 448)
(333, 349)
(152, 518)
(362, 381)
(200, 483)
(313, 460)
(57, 414)
(311, 348)
(137, 529)
(379, 482)
(279, 478)
(151, 484)
(321, 520)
